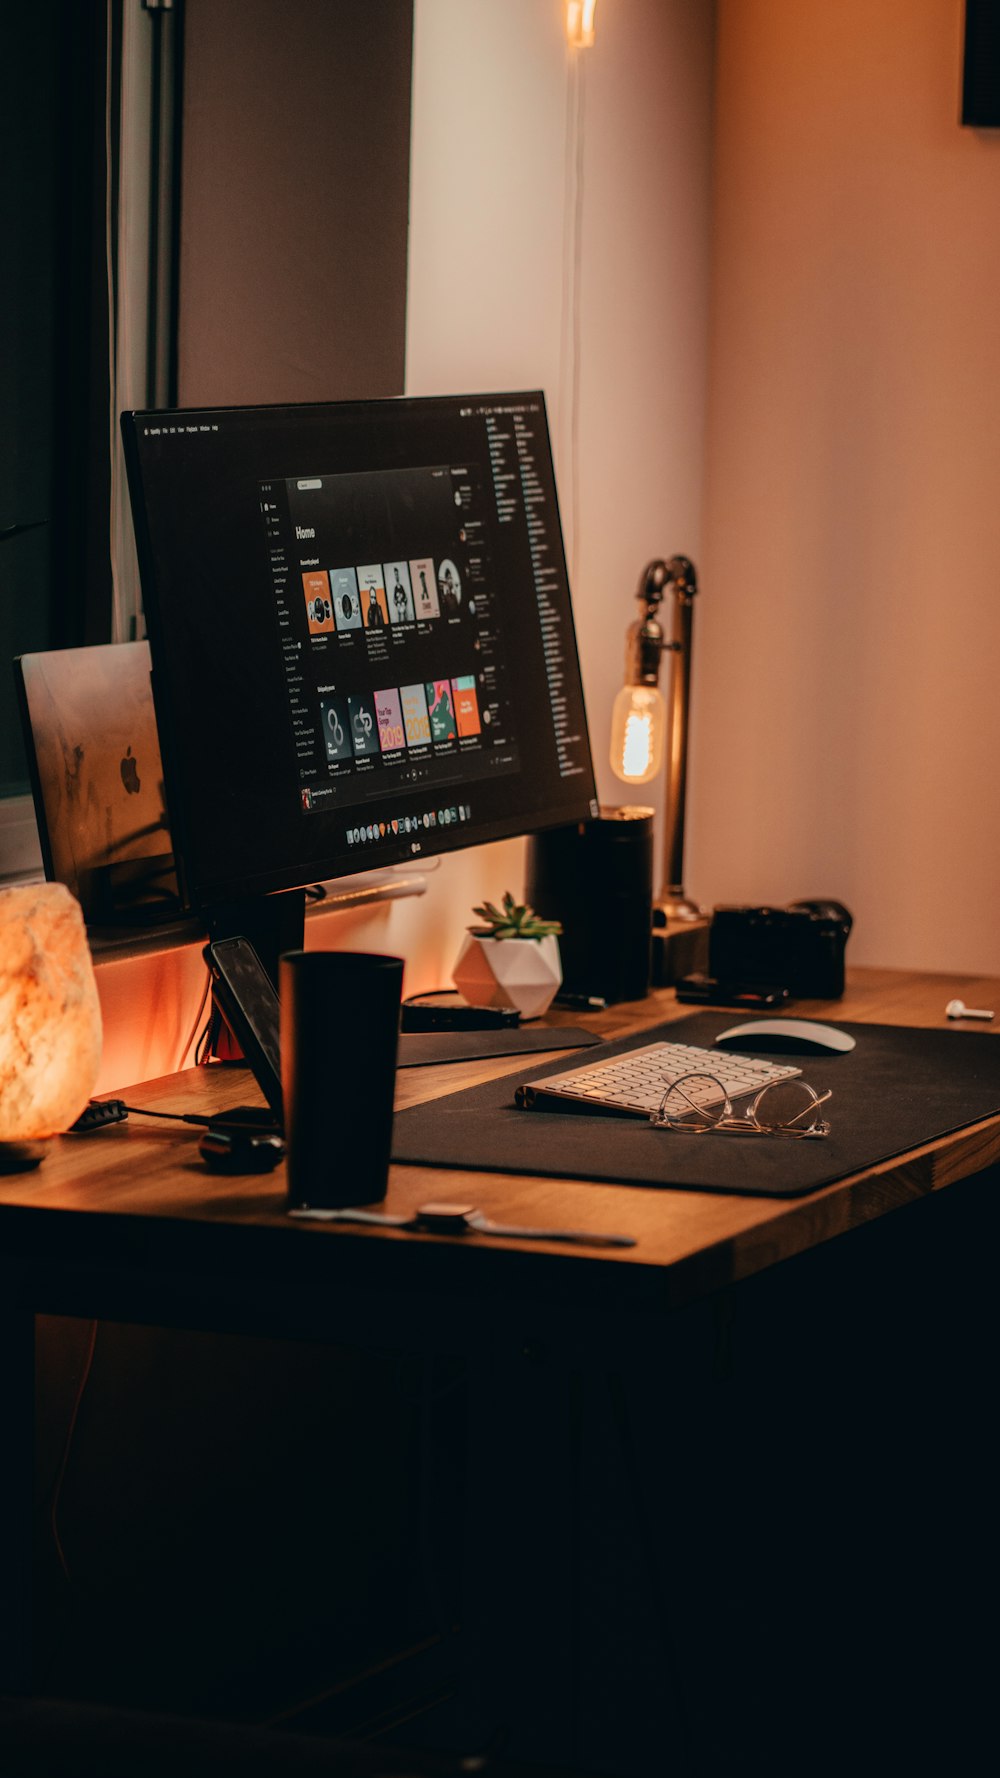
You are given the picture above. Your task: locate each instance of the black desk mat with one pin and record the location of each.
(898, 1088)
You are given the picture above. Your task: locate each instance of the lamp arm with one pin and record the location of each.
(682, 577)
(677, 574)
(672, 897)
(646, 638)
(639, 713)
(658, 575)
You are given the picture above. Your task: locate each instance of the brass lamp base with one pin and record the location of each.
(679, 948)
(673, 904)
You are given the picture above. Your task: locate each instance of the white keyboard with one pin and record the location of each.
(634, 1084)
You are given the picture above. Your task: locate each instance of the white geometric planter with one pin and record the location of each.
(521, 972)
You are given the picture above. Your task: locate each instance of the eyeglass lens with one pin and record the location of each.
(783, 1105)
(695, 1102)
(698, 1102)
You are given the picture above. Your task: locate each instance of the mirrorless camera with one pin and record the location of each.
(800, 947)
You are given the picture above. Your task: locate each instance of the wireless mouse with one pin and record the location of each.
(804, 1037)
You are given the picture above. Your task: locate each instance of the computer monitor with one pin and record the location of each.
(362, 639)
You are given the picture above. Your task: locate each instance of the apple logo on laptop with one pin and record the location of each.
(130, 773)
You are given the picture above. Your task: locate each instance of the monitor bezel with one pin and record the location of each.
(197, 890)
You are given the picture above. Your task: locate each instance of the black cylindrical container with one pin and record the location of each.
(339, 1031)
(597, 878)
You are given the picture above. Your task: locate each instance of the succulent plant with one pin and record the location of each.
(512, 920)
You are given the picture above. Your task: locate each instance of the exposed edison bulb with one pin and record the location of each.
(580, 22)
(638, 727)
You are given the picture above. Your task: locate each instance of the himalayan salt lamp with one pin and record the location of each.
(50, 1018)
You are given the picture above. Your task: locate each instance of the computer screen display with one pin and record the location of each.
(361, 632)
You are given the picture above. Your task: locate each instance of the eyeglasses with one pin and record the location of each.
(698, 1102)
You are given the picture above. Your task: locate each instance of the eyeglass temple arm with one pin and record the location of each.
(814, 1105)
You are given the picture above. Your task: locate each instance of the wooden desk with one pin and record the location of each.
(110, 1188)
(126, 1225)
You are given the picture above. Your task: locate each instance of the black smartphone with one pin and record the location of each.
(249, 1005)
(704, 990)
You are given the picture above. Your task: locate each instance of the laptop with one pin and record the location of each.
(97, 781)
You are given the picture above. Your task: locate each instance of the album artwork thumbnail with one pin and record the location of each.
(374, 609)
(344, 593)
(319, 610)
(398, 592)
(466, 706)
(416, 720)
(364, 729)
(442, 712)
(449, 587)
(389, 717)
(336, 722)
(423, 581)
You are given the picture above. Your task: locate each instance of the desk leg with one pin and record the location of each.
(520, 1551)
(595, 1556)
(574, 1658)
(17, 1461)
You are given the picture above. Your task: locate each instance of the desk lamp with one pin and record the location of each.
(641, 722)
(50, 1020)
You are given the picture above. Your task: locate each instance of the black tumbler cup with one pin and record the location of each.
(339, 1030)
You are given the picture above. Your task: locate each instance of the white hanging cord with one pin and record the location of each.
(569, 340)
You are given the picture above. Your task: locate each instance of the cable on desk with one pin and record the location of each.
(199, 1015)
(176, 1117)
(101, 1112)
(202, 1050)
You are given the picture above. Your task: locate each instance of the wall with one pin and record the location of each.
(548, 185)
(845, 716)
(295, 152)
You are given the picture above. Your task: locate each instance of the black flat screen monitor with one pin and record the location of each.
(361, 633)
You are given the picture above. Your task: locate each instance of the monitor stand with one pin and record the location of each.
(139, 892)
(273, 924)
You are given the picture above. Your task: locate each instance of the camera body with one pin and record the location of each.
(800, 947)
